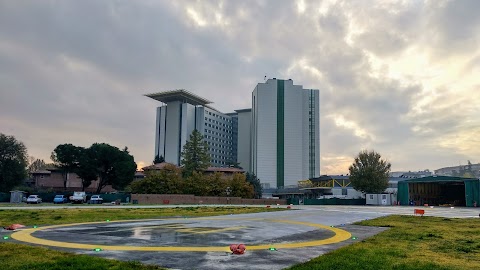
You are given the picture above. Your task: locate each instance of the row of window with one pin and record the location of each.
(219, 151)
(217, 122)
(227, 141)
(219, 162)
(219, 146)
(219, 128)
(218, 157)
(219, 116)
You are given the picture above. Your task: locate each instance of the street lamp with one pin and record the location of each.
(228, 190)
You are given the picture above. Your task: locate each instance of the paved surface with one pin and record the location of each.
(202, 243)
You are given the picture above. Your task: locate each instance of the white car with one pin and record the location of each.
(95, 199)
(34, 199)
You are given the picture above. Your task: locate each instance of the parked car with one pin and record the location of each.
(95, 199)
(60, 199)
(78, 197)
(34, 199)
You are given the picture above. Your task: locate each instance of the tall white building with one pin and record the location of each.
(285, 139)
(183, 112)
(277, 139)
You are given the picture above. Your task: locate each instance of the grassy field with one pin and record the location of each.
(411, 243)
(73, 215)
(19, 257)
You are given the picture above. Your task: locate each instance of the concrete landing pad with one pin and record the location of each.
(203, 243)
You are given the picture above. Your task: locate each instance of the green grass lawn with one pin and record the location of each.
(429, 243)
(32, 217)
(19, 256)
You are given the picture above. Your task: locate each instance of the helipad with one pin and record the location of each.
(201, 235)
(274, 240)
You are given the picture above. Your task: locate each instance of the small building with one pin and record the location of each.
(381, 199)
(439, 190)
(57, 180)
(16, 196)
(227, 172)
(159, 166)
(388, 197)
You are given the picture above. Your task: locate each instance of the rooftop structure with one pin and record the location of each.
(179, 95)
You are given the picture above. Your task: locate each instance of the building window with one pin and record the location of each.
(371, 196)
(384, 197)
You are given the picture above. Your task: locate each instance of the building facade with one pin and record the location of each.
(277, 139)
(182, 113)
(285, 139)
(55, 179)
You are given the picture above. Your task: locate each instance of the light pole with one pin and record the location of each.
(228, 190)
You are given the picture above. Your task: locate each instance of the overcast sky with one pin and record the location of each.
(398, 77)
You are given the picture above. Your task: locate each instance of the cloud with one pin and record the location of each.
(399, 77)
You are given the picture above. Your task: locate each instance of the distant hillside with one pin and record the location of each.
(469, 170)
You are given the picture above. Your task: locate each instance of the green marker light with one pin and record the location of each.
(354, 238)
(332, 226)
(272, 249)
(35, 226)
(97, 249)
(108, 220)
(5, 238)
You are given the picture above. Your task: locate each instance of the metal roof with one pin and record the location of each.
(179, 95)
(244, 110)
(436, 178)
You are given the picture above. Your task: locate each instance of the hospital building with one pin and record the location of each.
(277, 138)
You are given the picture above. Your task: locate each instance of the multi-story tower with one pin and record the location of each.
(184, 112)
(244, 152)
(285, 142)
(278, 139)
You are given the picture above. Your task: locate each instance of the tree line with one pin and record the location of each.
(191, 179)
(103, 162)
(171, 180)
(111, 166)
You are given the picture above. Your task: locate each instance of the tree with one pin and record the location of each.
(158, 159)
(195, 184)
(65, 157)
(215, 184)
(195, 155)
(13, 162)
(255, 182)
(240, 187)
(86, 169)
(467, 171)
(166, 181)
(114, 166)
(233, 164)
(369, 173)
(36, 165)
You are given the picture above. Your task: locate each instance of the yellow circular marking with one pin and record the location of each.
(26, 236)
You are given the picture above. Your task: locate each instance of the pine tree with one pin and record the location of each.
(195, 157)
(255, 182)
(158, 159)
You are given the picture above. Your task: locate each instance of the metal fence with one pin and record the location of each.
(332, 201)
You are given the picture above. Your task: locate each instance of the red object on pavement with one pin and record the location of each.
(238, 249)
(14, 227)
